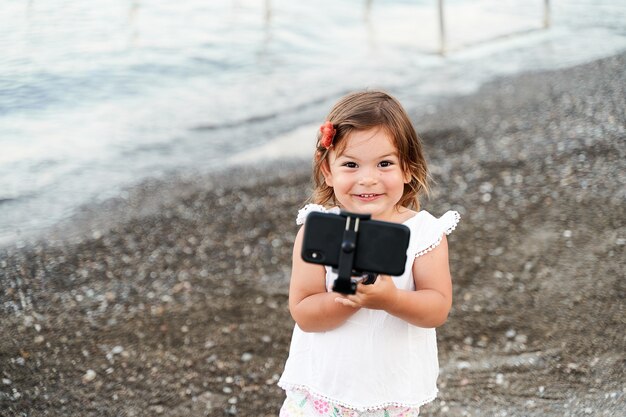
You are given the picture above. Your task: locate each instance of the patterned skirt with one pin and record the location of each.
(303, 404)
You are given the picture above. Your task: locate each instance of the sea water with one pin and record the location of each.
(97, 96)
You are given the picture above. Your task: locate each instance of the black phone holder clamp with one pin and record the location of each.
(344, 283)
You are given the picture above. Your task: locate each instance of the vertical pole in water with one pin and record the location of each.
(442, 28)
(546, 14)
(268, 10)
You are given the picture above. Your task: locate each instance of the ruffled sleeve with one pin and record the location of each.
(304, 211)
(427, 231)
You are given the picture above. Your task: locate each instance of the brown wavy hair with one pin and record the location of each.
(365, 110)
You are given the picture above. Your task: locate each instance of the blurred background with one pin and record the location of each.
(98, 96)
(174, 139)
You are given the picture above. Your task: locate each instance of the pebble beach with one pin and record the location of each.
(173, 300)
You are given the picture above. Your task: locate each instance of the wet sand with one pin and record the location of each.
(173, 301)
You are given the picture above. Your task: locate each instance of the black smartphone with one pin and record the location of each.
(380, 246)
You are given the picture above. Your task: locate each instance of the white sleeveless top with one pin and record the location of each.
(374, 360)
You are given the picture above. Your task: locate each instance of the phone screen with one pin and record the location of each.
(380, 246)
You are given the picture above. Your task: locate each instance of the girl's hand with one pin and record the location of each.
(312, 307)
(381, 295)
(427, 306)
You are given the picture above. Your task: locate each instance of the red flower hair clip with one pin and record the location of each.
(328, 134)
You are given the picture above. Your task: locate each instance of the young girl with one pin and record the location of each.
(373, 353)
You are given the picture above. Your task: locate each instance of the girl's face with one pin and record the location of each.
(366, 177)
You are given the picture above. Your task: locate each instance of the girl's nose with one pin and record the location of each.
(368, 179)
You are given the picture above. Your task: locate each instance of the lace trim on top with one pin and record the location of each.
(304, 388)
(450, 221)
(309, 208)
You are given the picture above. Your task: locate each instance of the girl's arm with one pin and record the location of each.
(427, 306)
(311, 306)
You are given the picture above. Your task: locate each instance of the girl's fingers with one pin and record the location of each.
(384, 277)
(346, 302)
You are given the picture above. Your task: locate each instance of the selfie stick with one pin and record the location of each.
(344, 282)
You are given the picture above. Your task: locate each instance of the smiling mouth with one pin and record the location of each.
(367, 195)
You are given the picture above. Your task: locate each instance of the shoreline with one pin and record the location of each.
(174, 301)
(143, 198)
(295, 146)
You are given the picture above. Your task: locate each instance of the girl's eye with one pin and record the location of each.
(385, 164)
(350, 165)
